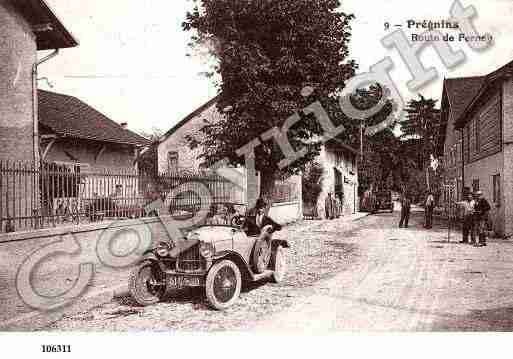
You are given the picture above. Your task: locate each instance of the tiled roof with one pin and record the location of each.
(461, 91)
(67, 116)
(190, 117)
(469, 97)
(53, 35)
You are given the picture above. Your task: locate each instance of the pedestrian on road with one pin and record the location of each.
(481, 209)
(405, 210)
(329, 207)
(429, 206)
(467, 210)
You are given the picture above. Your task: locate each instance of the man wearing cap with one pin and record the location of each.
(481, 209)
(467, 211)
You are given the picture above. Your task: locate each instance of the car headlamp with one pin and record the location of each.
(192, 236)
(206, 250)
(163, 249)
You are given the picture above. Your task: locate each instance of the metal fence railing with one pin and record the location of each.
(51, 194)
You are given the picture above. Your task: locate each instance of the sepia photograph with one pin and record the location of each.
(287, 171)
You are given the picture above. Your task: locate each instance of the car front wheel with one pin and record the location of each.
(223, 284)
(146, 284)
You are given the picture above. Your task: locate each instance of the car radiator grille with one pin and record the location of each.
(190, 260)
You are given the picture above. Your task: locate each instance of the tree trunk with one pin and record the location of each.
(267, 183)
(427, 178)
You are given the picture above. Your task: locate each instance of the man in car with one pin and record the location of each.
(256, 219)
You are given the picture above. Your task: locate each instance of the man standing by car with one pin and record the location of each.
(429, 206)
(405, 210)
(481, 209)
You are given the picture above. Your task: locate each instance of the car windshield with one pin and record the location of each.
(225, 214)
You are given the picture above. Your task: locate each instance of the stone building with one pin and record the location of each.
(476, 141)
(76, 136)
(340, 177)
(26, 27)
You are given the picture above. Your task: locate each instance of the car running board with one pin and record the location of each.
(266, 274)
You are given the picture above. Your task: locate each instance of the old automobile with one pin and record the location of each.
(217, 257)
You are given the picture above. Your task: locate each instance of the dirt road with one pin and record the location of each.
(409, 280)
(344, 275)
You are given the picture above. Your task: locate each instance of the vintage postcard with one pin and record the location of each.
(263, 167)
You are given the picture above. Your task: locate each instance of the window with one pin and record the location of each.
(496, 181)
(476, 134)
(475, 185)
(172, 162)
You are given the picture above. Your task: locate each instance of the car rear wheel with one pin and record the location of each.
(280, 265)
(223, 284)
(145, 284)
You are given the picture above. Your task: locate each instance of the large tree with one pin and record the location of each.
(266, 52)
(421, 125)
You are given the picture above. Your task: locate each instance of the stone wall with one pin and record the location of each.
(17, 57)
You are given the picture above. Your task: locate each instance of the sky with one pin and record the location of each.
(132, 64)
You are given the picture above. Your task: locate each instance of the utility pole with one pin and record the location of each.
(361, 140)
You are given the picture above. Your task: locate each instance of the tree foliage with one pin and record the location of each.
(422, 124)
(266, 52)
(312, 182)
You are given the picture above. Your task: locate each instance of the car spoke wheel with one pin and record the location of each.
(280, 265)
(146, 284)
(223, 284)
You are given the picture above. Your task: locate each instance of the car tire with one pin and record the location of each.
(279, 265)
(223, 284)
(140, 288)
(261, 256)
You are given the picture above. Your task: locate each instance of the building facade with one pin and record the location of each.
(477, 114)
(26, 27)
(76, 137)
(340, 177)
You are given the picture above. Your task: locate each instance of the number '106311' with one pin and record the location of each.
(56, 348)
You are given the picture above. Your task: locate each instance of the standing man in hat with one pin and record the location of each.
(329, 207)
(429, 206)
(481, 209)
(405, 210)
(467, 211)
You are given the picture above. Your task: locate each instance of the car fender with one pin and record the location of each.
(150, 256)
(237, 259)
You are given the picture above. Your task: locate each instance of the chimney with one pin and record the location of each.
(124, 125)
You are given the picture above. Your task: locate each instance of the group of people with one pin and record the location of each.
(474, 210)
(332, 206)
